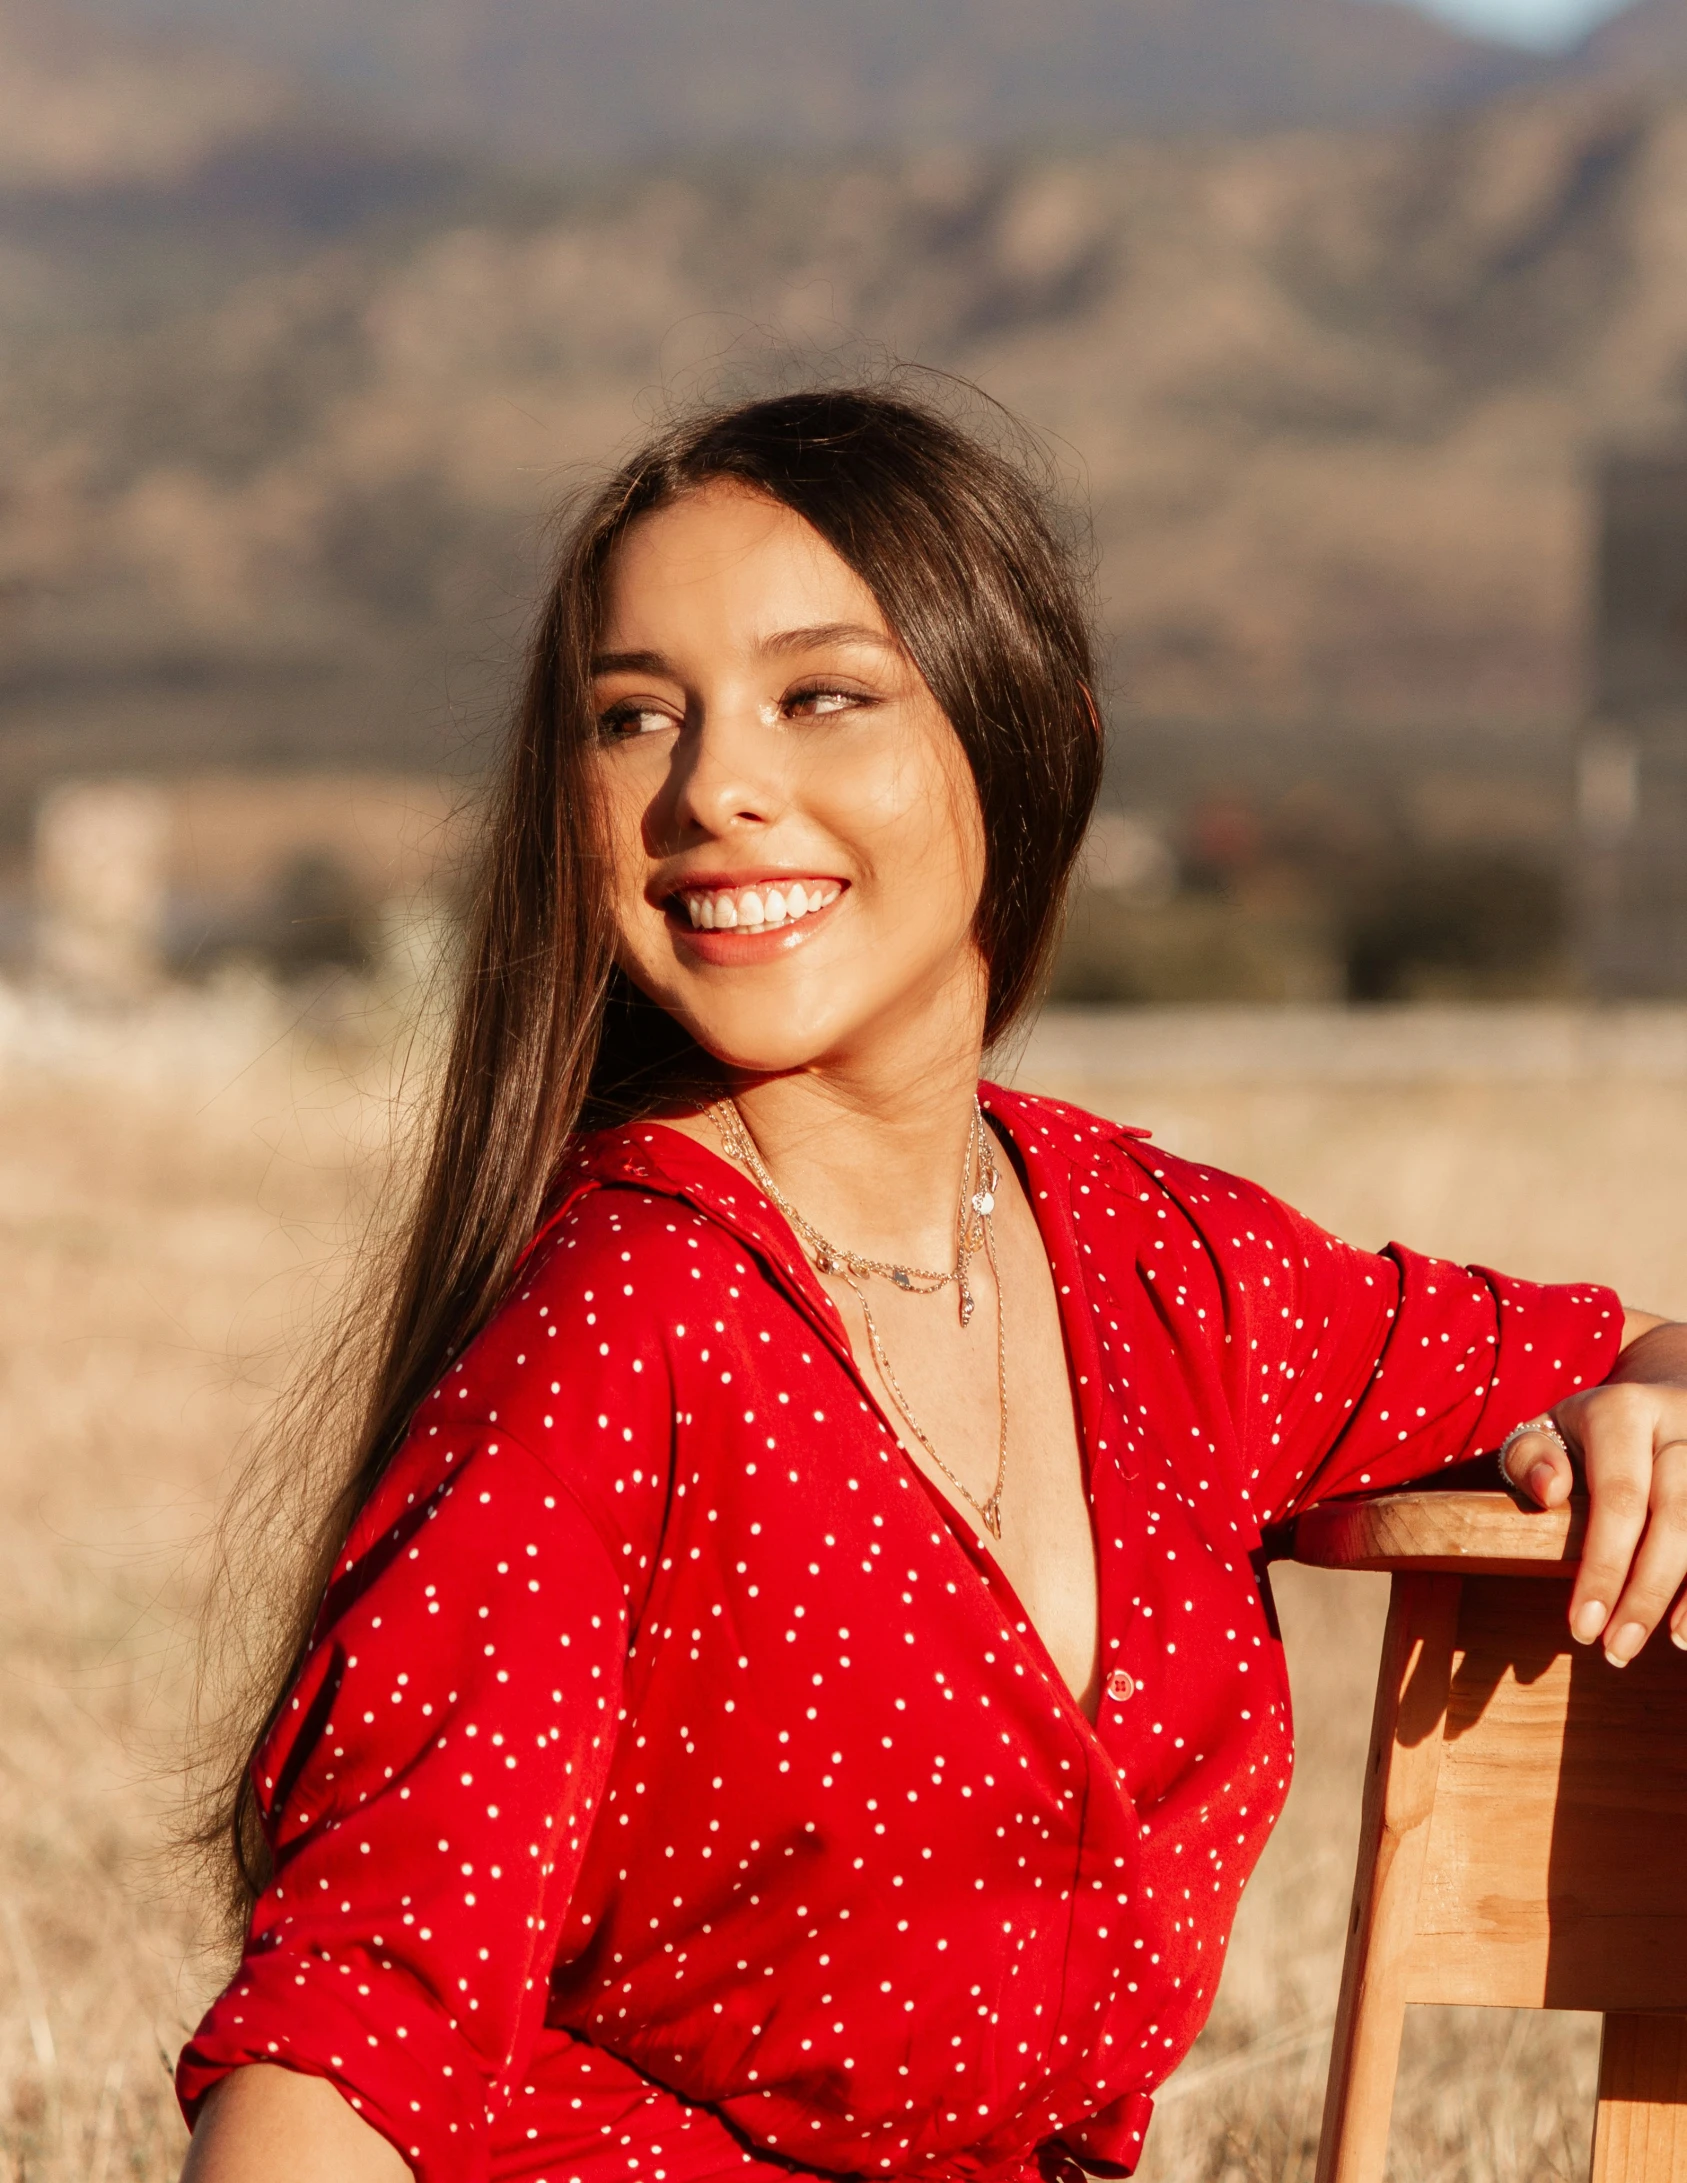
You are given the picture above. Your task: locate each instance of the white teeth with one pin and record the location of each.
(756, 908)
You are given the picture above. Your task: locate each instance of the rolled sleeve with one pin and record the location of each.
(428, 1791)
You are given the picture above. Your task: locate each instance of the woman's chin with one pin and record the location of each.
(794, 1015)
(751, 1052)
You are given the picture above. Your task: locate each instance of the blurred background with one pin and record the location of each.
(1362, 332)
(1359, 330)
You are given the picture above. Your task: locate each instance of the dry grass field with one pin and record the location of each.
(175, 1195)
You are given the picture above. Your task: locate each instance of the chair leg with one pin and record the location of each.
(1405, 1759)
(1640, 2133)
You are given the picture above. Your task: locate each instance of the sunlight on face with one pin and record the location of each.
(794, 834)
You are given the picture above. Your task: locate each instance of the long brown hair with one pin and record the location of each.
(954, 539)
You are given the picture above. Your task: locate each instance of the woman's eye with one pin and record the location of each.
(622, 722)
(815, 702)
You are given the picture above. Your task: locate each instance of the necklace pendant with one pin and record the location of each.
(984, 1203)
(992, 1514)
(966, 1305)
(899, 1274)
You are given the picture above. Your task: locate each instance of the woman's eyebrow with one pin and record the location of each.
(803, 640)
(630, 663)
(787, 640)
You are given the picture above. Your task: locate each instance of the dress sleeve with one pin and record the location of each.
(427, 1791)
(1350, 1371)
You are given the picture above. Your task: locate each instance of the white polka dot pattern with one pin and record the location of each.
(674, 1778)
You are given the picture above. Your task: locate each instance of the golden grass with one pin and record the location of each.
(170, 1218)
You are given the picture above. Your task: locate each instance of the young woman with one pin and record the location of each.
(791, 1688)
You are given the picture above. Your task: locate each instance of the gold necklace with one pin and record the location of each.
(974, 1225)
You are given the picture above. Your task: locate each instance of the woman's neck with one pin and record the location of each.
(869, 1140)
(870, 1147)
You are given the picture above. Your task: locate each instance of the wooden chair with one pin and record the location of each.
(1524, 1839)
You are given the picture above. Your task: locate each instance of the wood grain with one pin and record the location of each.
(1524, 1836)
(1473, 1533)
(1555, 1874)
(1400, 1792)
(1640, 2135)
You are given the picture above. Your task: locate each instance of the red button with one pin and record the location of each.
(1121, 1685)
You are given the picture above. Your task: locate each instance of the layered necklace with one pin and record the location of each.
(974, 1231)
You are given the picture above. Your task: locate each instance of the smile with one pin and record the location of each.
(757, 909)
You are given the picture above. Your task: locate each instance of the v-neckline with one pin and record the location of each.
(1083, 1361)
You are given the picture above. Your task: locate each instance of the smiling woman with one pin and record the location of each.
(767, 743)
(785, 1685)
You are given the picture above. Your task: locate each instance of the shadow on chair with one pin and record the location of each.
(1524, 1840)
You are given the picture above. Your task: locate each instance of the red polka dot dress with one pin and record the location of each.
(674, 1785)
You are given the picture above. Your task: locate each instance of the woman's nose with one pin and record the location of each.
(727, 773)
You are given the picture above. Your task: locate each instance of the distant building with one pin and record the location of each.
(1631, 784)
(136, 879)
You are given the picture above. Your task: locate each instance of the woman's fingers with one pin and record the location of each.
(1539, 1467)
(1655, 1578)
(1615, 1435)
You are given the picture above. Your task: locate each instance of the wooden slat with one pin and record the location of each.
(1640, 2135)
(1473, 1533)
(1483, 1922)
(1412, 1683)
(1556, 1871)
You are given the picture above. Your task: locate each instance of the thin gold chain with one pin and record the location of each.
(975, 1225)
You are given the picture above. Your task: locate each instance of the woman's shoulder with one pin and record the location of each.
(571, 1375)
(1045, 1128)
(602, 1287)
(1092, 1149)
(610, 1214)
(1098, 1153)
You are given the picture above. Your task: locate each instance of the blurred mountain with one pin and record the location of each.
(285, 398)
(1645, 45)
(83, 108)
(562, 83)
(139, 173)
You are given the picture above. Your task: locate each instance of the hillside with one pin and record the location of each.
(1330, 397)
(284, 399)
(562, 83)
(1645, 44)
(84, 108)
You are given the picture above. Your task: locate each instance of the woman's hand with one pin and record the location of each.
(1628, 1438)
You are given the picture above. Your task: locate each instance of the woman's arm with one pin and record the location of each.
(431, 1785)
(268, 2125)
(1629, 1438)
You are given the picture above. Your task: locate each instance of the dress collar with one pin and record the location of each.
(1042, 1133)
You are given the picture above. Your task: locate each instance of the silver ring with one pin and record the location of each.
(1520, 1432)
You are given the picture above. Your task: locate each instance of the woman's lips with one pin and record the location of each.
(733, 925)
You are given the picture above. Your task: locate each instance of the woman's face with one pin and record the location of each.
(795, 839)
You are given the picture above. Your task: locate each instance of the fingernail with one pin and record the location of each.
(1627, 1642)
(1679, 1637)
(1588, 1620)
(1541, 1476)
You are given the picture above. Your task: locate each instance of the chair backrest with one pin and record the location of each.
(1554, 1870)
